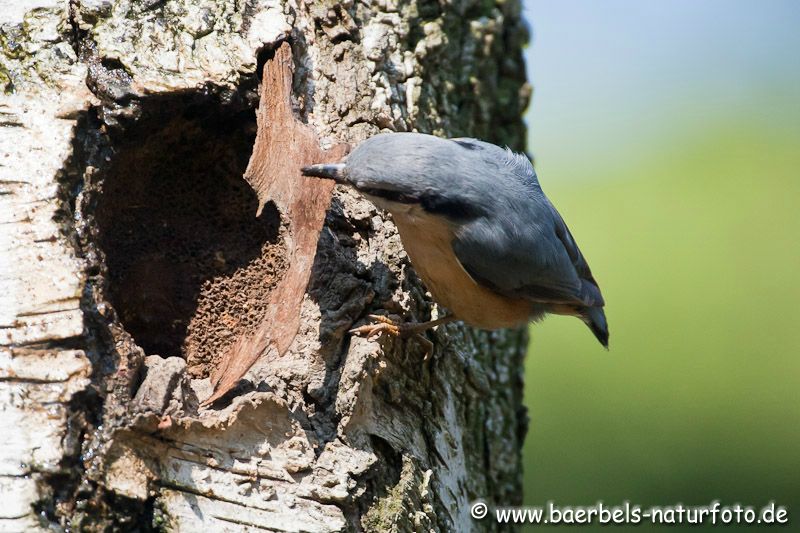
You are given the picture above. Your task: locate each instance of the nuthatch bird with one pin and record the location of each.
(478, 228)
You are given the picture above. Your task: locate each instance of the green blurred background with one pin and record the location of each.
(668, 135)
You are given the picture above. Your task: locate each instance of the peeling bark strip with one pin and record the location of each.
(283, 145)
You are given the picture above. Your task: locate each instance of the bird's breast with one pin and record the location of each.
(428, 241)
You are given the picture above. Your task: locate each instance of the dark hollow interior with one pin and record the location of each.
(189, 263)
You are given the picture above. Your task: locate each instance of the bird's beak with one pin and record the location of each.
(331, 171)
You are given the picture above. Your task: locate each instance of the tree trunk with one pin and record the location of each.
(132, 261)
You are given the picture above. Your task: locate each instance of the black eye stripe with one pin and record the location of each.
(431, 202)
(393, 196)
(453, 208)
(467, 144)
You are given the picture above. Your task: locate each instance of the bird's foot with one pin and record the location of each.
(385, 325)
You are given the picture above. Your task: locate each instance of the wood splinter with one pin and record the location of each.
(283, 145)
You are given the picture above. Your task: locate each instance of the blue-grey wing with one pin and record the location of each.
(537, 260)
(590, 291)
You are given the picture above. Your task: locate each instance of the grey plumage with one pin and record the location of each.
(506, 233)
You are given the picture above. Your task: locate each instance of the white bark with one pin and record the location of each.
(40, 278)
(338, 434)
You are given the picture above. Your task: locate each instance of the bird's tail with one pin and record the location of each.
(595, 318)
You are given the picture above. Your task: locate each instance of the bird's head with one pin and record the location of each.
(458, 178)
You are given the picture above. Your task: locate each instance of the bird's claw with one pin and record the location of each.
(385, 325)
(381, 325)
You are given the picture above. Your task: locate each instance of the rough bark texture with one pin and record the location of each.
(132, 259)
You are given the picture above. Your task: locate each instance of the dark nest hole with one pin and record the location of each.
(189, 264)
